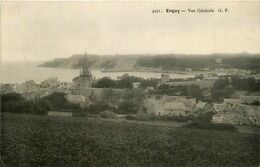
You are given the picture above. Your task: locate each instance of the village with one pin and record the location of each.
(129, 84)
(165, 97)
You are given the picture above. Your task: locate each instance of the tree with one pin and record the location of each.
(105, 82)
(109, 95)
(148, 82)
(14, 103)
(56, 101)
(98, 107)
(247, 84)
(221, 89)
(131, 102)
(195, 92)
(11, 97)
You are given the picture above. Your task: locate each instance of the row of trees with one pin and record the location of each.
(197, 62)
(125, 82)
(15, 103)
(246, 84)
(127, 103)
(192, 91)
(225, 87)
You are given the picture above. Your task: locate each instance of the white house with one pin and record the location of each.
(136, 85)
(172, 108)
(77, 99)
(59, 114)
(166, 106)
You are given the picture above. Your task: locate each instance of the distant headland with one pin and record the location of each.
(160, 62)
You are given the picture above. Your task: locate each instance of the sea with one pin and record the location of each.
(19, 72)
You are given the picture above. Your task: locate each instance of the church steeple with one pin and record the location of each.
(85, 69)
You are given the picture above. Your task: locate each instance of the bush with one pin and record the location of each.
(15, 103)
(105, 83)
(108, 114)
(203, 117)
(130, 117)
(79, 114)
(9, 97)
(98, 107)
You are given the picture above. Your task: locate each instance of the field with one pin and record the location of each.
(28, 140)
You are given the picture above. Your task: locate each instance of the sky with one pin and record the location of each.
(48, 30)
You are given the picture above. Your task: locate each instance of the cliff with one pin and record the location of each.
(165, 62)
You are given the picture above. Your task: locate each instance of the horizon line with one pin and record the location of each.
(133, 54)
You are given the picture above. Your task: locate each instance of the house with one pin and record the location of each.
(230, 101)
(165, 78)
(218, 60)
(172, 108)
(243, 73)
(257, 76)
(149, 89)
(238, 114)
(59, 114)
(31, 95)
(222, 108)
(77, 99)
(209, 107)
(172, 98)
(254, 120)
(167, 105)
(136, 85)
(50, 90)
(205, 69)
(188, 69)
(200, 105)
(189, 103)
(249, 99)
(242, 108)
(231, 113)
(254, 115)
(218, 118)
(230, 118)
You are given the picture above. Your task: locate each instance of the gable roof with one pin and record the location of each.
(200, 104)
(174, 106)
(221, 107)
(230, 101)
(76, 98)
(188, 102)
(242, 108)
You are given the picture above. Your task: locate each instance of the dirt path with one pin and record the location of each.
(174, 124)
(152, 123)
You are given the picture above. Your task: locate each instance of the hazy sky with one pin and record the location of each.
(48, 30)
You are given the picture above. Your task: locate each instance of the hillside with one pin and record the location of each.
(95, 61)
(160, 62)
(29, 140)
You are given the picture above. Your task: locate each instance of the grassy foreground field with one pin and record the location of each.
(66, 142)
